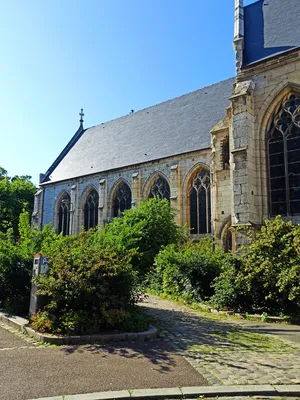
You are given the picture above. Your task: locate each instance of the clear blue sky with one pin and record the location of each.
(107, 56)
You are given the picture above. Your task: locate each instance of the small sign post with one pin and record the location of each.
(40, 265)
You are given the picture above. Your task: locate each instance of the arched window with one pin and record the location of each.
(91, 210)
(200, 212)
(64, 214)
(160, 188)
(284, 159)
(122, 199)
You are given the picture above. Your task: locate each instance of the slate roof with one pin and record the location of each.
(174, 127)
(271, 27)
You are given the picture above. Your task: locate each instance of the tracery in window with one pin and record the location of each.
(64, 214)
(200, 211)
(122, 199)
(160, 188)
(284, 159)
(90, 210)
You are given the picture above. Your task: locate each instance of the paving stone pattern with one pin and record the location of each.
(225, 351)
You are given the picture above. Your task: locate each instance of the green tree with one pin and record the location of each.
(16, 196)
(145, 229)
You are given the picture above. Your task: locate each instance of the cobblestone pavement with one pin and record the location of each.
(225, 351)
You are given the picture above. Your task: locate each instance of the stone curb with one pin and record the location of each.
(185, 393)
(22, 324)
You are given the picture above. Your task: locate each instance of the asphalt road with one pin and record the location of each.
(31, 372)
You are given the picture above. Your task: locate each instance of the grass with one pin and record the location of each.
(230, 339)
(204, 310)
(242, 340)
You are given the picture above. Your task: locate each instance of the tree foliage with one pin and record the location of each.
(16, 195)
(144, 230)
(187, 270)
(266, 277)
(15, 273)
(16, 258)
(87, 289)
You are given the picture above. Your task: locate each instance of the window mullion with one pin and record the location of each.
(286, 168)
(198, 212)
(207, 205)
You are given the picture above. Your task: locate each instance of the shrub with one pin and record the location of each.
(87, 289)
(41, 322)
(16, 258)
(144, 230)
(187, 270)
(270, 272)
(15, 275)
(227, 292)
(266, 277)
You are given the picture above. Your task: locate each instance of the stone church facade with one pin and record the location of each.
(226, 156)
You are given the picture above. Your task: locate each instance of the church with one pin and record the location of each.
(226, 156)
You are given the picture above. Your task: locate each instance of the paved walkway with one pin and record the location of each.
(29, 370)
(227, 351)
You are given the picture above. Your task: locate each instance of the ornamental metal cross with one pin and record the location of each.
(81, 115)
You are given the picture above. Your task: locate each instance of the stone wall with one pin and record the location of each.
(258, 91)
(221, 184)
(176, 170)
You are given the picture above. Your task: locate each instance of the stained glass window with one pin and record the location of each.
(200, 211)
(284, 159)
(122, 199)
(160, 188)
(64, 215)
(91, 210)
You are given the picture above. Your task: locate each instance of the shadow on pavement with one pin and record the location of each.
(159, 353)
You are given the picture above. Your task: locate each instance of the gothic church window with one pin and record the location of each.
(160, 188)
(200, 211)
(91, 210)
(64, 214)
(284, 159)
(122, 199)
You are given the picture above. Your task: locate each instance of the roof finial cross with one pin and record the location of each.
(81, 116)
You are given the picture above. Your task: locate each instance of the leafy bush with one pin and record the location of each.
(144, 230)
(16, 258)
(41, 322)
(227, 291)
(187, 270)
(266, 278)
(15, 273)
(271, 268)
(87, 289)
